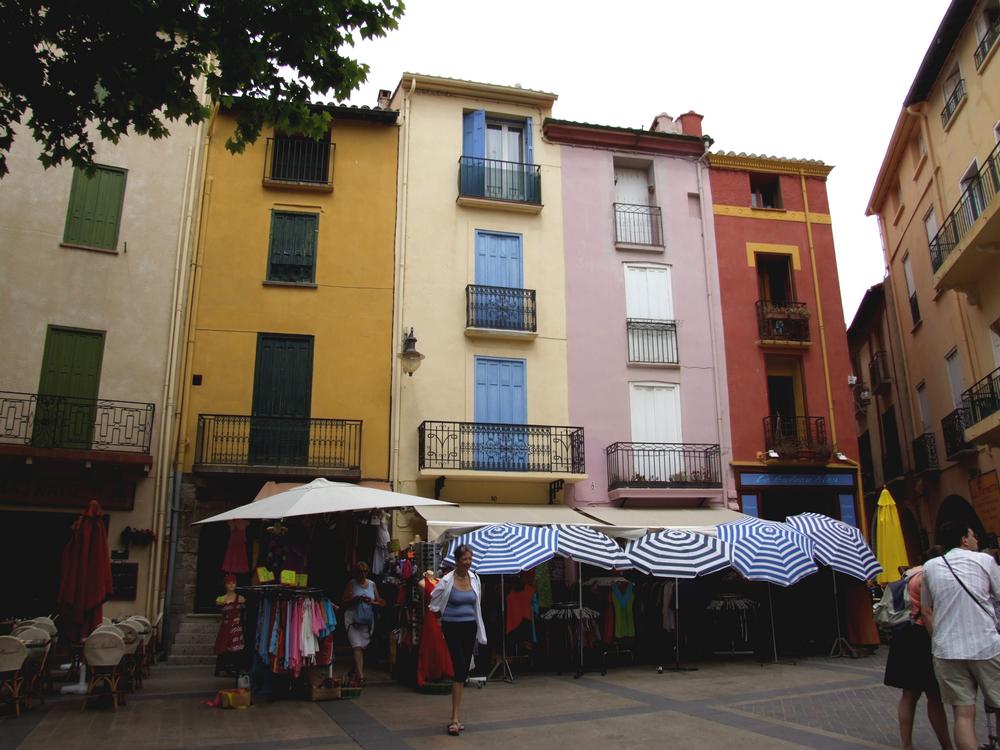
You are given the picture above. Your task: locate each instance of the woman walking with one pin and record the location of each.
(360, 598)
(911, 668)
(456, 599)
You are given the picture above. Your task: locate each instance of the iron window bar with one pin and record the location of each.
(499, 307)
(925, 457)
(953, 429)
(493, 179)
(951, 103)
(783, 321)
(663, 465)
(983, 398)
(638, 225)
(299, 161)
(652, 341)
(987, 42)
(793, 436)
(492, 446)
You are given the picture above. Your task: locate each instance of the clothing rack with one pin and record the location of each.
(280, 592)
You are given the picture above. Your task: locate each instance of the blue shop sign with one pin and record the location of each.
(796, 480)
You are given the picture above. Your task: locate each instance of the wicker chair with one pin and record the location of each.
(34, 670)
(103, 653)
(47, 624)
(12, 656)
(145, 629)
(154, 643)
(131, 668)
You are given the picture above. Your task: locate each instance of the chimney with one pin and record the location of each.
(384, 98)
(664, 123)
(691, 123)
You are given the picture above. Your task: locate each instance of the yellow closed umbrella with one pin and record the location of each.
(890, 549)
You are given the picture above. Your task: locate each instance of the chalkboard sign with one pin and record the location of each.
(125, 581)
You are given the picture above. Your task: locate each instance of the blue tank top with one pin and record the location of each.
(461, 607)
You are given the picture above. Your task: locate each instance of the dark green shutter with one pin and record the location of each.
(68, 389)
(282, 395)
(292, 255)
(95, 207)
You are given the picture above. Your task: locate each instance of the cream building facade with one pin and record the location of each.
(937, 198)
(480, 282)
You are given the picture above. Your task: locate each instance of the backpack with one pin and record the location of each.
(894, 607)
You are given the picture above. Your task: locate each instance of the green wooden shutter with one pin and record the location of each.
(68, 389)
(292, 255)
(95, 207)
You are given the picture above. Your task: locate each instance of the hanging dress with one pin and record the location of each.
(236, 551)
(230, 637)
(434, 660)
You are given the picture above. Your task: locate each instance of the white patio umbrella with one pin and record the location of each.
(323, 496)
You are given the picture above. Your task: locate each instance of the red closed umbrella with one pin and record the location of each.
(85, 572)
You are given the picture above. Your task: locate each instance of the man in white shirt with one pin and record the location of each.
(957, 607)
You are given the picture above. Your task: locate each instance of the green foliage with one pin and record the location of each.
(123, 66)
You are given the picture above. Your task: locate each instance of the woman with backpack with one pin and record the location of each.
(360, 599)
(909, 665)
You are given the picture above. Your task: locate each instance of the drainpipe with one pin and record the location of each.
(721, 405)
(168, 399)
(402, 189)
(173, 524)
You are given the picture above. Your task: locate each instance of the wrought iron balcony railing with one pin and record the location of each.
(878, 372)
(953, 429)
(638, 225)
(987, 42)
(68, 422)
(486, 446)
(299, 161)
(663, 465)
(925, 457)
(242, 440)
(500, 307)
(983, 398)
(952, 102)
(977, 196)
(652, 341)
(796, 437)
(782, 321)
(862, 397)
(496, 180)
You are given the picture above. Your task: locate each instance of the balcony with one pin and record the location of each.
(965, 248)
(516, 452)
(652, 342)
(796, 438)
(490, 183)
(878, 372)
(782, 323)
(663, 470)
(500, 311)
(983, 404)
(953, 428)
(925, 457)
(639, 227)
(301, 163)
(67, 427)
(987, 42)
(278, 446)
(952, 103)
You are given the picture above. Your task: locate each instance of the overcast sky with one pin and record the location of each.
(793, 78)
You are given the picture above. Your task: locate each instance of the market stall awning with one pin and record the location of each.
(451, 521)
(631, 522)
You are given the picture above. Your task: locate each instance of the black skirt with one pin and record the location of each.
(910, 665)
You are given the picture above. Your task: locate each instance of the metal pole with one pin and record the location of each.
(770, 607)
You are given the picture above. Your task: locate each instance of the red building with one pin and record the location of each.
(789, 373)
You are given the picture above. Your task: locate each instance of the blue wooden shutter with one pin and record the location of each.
(500, 391)
(474, 134)
(292, 255)
(498, 260)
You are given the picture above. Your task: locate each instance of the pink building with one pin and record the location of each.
(647, 370)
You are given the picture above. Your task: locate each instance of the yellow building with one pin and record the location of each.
(936, 198)
(287, 374)
(482, 286)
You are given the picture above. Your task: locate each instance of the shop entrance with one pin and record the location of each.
(956, 508)
(212, 541)
(31, 546)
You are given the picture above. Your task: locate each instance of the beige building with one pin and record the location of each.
(480, 281)
(91, 298)
(937, 202)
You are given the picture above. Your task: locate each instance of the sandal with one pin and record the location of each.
(461, 727)
(453, 729)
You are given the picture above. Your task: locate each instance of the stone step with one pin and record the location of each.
(193, 649)
(199, 637)
(184, 660)
(207, 627)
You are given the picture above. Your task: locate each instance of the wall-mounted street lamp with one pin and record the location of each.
(410, 358)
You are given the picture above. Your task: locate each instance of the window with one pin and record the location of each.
(303, 161)
(923, 406)
(930, 225)
(911, 290)
(95, 208)
(765, 191)
(892, 461)
(292, 254)
(649, 311)
(987, 31)
(498, 158)
(973, 200)
(637, 220)
(919, 147)
(954, 93)
(956, 380)
(899, 196)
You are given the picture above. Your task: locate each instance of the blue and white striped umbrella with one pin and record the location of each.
(769, 551)
(507, 547)
(586, 545)
(838, 545)
(676, 553)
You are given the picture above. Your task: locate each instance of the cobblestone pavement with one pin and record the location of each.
(836, 704)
